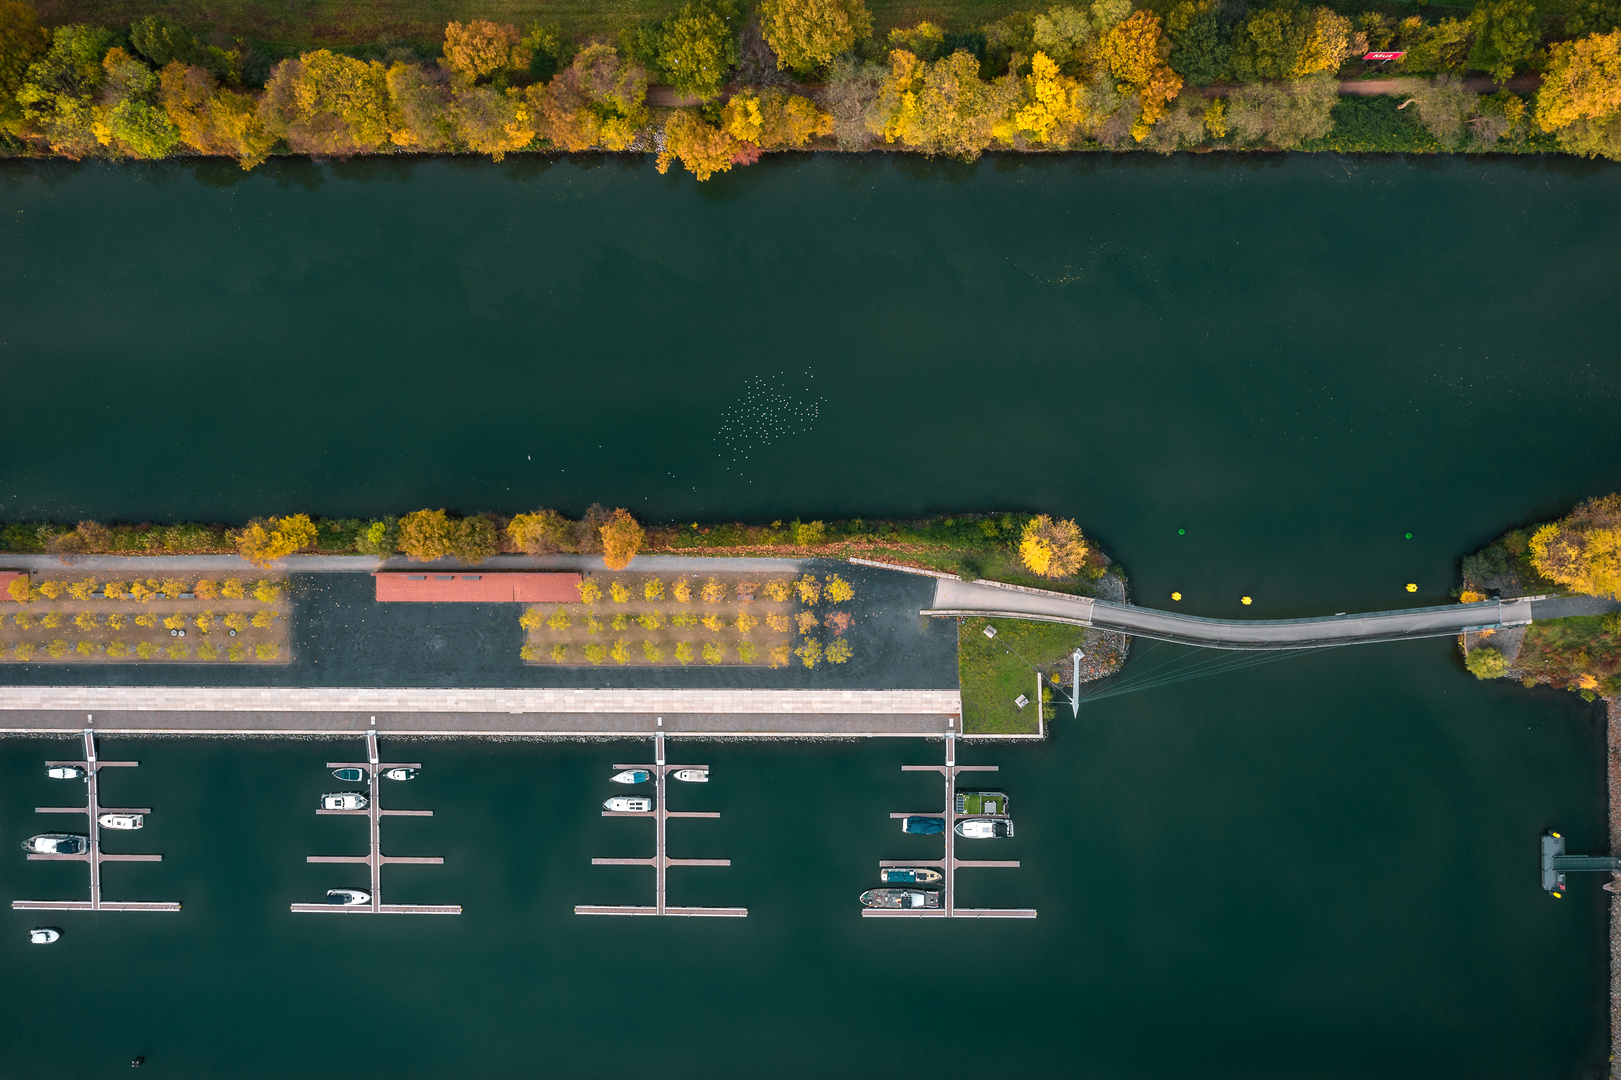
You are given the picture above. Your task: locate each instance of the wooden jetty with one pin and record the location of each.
(950, 864)
(661, 861)
(93, 810)
(374, 813)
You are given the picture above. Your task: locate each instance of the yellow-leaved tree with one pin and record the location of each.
(1581, 95)
(1052, 548)
(1582, 550)
(808, 34)
(540, 533)
(943, 107)
(774, 119)
(479, 48)
(262, 542)
(1135, 50)
(703, 148)
(622, 538)
(1049, 109)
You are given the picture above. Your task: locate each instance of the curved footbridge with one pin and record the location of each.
(960, 598)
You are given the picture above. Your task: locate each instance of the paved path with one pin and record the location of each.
(365, 564)
(954, 598)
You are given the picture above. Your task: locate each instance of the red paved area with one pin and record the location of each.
(458, 587)
(6, 578)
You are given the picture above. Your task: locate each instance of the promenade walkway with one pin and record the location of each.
(958, 598)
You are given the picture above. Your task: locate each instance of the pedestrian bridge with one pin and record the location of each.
(958, 598)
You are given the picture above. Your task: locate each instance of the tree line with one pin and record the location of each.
(796, 73)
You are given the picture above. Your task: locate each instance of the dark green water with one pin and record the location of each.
(1315, 867)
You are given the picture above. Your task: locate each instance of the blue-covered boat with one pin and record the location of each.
(923, 826)
(909, 875)
(631, 776)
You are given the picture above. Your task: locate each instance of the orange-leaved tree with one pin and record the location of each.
(541, 532)
(1052, 548)
(1135, 51)
(1582, 550)
(703, 148)
(622, 538)
(262, 542)
(323, 103)
(479, 48)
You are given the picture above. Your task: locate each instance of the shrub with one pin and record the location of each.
(746, 622)
(809, 533)
(779, 656)
(590, 591)
(559, 620)
(52, 590)
(268, 651)
(838, 622)
(531, 619)
(85, 621)
(529, 652)
(651, 620)
(205, 589)
(236, 651)
(622, 538)
(653, 653)
(714, 653)
(778, 622)
(205, 651)
(1485, 662)
(81, 590)
(653, 590)
(541, 532)
(838, 651)
(714, 590)
(838, 590)
(117, 649)
(179, 650)
(1051, 548)
(593, 625)
(85, 648)
(23, 651)
(51, 620)
(810, 653)
(683, 653)
(231, 589)
(263, 619)
(57, 648)
(778, 589)
(146, 650)
(21, 590)
(425, 534)
(236, 620)
(810, 590)
(25, 620)
(262, 542)
(714, 623)
(559, 653)
(266, 592)
(621, 620)
(619, 593)
(681, 590)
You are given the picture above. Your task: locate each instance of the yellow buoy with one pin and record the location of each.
(1176, 596)
(1246, 600)
(1411, 587)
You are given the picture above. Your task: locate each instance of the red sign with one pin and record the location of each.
(1384, 56)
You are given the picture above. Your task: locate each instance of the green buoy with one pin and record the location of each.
(1184, 532)
(1409, 536)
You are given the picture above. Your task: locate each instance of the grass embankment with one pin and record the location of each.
(993, 672)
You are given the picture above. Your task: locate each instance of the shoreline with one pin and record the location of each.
(1613, 741)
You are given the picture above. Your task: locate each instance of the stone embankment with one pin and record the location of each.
(1614, 739)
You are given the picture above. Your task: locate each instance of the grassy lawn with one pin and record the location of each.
(1580, 653)
(995, 671)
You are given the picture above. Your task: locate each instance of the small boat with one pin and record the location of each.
(982, 803)
(908, 875)
(901, 898)
(350, 776)
(57, 843)
(692, 776)
(923, 826)
(628, 804)
(348, 897)
(44, 935)
(631, 776)
(121, 821)
(400, 774)
(344, 800)
(65, 772)
(984, 829)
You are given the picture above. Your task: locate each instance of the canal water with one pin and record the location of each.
(1244, 377)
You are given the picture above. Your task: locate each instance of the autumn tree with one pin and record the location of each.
(323, 103)
(1282, 114)
(1135, 50)
(425, 535)
(262, 542)
(1486, 662)
(126, 118)
(702, 148)
(1582, 550)
(212, 120)
(774, 119)
(695, 48)
(540, 533)
(598, 100)
(58, 91)
(21, 42)
(622, 538)
(808, 34)
(480, 48)
(1050, 106)
(1505, 34)
(491, 121)
(422, 100)
(943, 107)
(1580, 96)
(1052, 548)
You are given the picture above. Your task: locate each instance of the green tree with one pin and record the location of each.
(1485, 662)
(323, 103)
(422, 100)
(1282, 114)
(126, 117)
(1505, 34)
(21, 42)
(163, 40)
(1199, 47)
(807, 34)
(695, 48)
(58, 90)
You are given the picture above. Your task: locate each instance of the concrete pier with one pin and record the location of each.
(95, 856)
(660, 861)
(949, 864)
(375, 860)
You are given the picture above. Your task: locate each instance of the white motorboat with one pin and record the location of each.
(350, 775)
(692, 776)
(984, 828)
(401, 773)
(56, 843)
(121, 821)
(348, 897)
(65, 772)
(44, 935)
(628, 804)
(631, 776)
(344, 800)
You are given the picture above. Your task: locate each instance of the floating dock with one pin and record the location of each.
(376, 860)
(661, 861)
(950, 864)
(1556, 864)
(95, 856)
